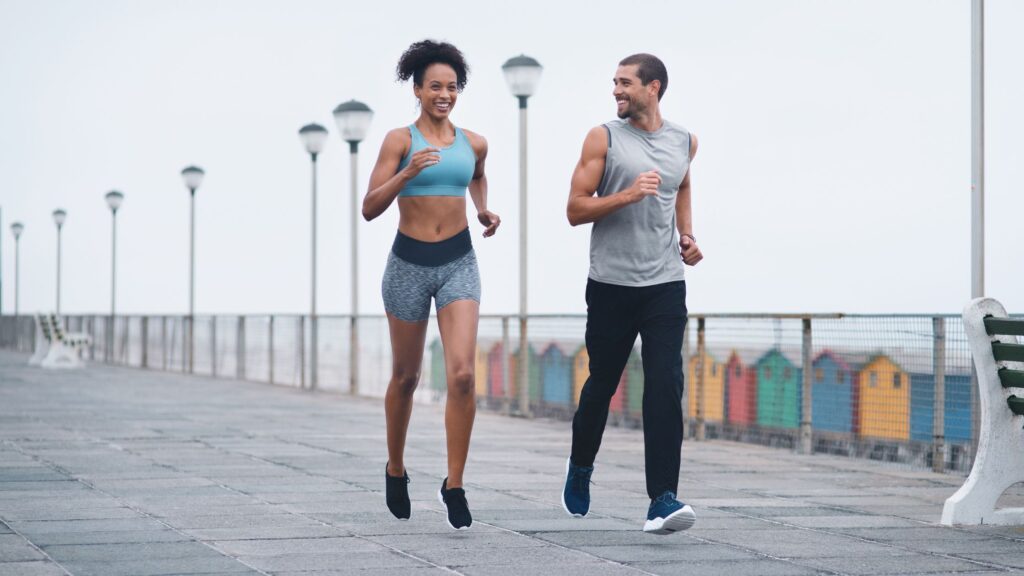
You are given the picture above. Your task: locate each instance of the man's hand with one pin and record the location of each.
(490, 220)
(690, 252)
(646, 184)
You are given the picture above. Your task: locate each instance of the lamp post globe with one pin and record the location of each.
(193, 177)
(353, 119)
(522, 74)
(114, 200)
(314, 138)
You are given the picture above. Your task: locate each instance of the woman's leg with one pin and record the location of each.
(458, 324)
(407, 340)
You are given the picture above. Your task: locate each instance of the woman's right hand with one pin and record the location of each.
(422, 159)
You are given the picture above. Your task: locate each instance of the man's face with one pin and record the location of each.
(631, 96)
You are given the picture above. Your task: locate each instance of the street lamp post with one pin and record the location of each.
(522, 74)
(16, 229)
(59, 217)
(353, 119)
(314, 138)
(193, 177)
(114, 200)
(977, 148)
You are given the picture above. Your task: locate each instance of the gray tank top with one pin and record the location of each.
(638, 245)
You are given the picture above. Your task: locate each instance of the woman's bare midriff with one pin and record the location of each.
(432, 218)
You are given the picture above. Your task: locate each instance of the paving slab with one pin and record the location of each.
(118, 471)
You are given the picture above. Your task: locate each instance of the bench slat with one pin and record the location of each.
(1011, 378)
(1016, 404)
(1010, 326)
(1008, 352)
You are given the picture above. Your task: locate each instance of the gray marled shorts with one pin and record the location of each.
(407, 287)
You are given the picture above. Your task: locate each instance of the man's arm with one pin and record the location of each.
(584, 206)
(684, 216)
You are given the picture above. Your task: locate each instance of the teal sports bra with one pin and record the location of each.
(449, 177)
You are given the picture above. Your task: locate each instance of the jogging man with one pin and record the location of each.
(633, 183)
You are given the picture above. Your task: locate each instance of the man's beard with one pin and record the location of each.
(630, 111)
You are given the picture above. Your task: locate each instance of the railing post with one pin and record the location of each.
(524, 368)
(213, 346)
(186, 353)
(240, 349)
(144, 337)
(687, 386)
(302, 351)
(314, 352)
(126, 358)
(939, 409)
(701, 354)
(353, 354)
(163, 343)
(505, 382)
(92, 331)
(806, 415)
(270, 350)
(108, 340)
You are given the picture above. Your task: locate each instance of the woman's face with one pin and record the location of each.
(439, 91)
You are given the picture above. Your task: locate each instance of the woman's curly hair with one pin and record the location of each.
(422, 54)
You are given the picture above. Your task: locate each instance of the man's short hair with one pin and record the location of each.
(649, 67)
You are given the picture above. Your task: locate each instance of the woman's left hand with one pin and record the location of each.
(490, 220)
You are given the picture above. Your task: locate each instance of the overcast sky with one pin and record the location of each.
(833, 173)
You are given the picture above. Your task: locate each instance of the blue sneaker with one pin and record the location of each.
(667, 515)
(576, 494)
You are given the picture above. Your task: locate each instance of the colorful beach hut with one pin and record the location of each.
(533, 378)
(495, 375)
(714, 388)
(884, 399)
(957, 407)
(832, 397)
(778, 391)
(556, 376)
(740, 390)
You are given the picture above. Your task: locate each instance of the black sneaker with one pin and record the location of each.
(396, 493)
(455, 504)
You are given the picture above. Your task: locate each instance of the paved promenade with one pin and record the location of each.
(111, 471)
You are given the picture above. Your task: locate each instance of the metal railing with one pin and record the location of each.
(897, 388)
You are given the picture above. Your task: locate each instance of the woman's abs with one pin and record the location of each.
(431, 219)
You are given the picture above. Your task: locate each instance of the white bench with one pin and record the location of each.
(64, 349)
(999, 362)
(42, 345)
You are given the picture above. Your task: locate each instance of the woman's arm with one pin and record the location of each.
(478, 185)
(386, 180)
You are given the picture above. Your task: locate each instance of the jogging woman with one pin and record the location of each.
(428, 167)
